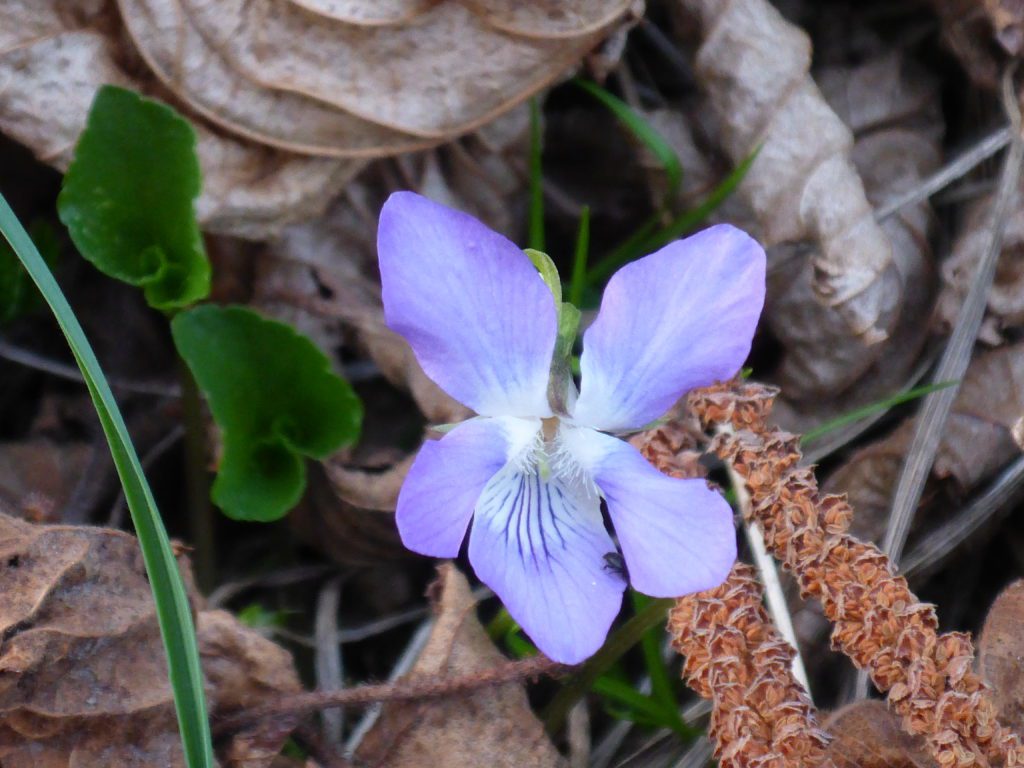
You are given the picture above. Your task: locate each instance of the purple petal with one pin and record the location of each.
(680, 318)
(540, 545)
(444, 483)
(677, 536)
(478, 316)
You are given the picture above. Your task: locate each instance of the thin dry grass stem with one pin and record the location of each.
(760, 715)
(877, 621)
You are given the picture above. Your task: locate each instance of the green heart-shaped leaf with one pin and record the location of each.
(127, 198)
(272, 393)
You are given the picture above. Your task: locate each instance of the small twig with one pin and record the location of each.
(283, 578)
(328, 661)
(31, 359)
(955, 358)
(404, 690)
(775, 597)
(949, 173)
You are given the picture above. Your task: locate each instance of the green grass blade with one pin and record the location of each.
(872, 408)
(662, 690)
(172, 606)
(578, 282)
(536, 178)
(689, 220)
(648, 237)
(642, 130)
(645, 709)
(631, 248)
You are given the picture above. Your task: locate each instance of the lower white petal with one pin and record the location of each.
(540, 544)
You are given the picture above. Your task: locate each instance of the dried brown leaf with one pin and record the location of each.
(447, 73)
(755, 68)
(492, 726)
(549, 18)
(1001, 654)
(1006, 298)
(369, 12)
(970, 27)
(75, 691)
(367, 80)
(839, 278)
(38, 477)
(178, 53)
(821, 356)
(866, 734)
(53, 57)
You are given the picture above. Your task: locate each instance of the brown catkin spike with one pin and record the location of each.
(878, 622)
(760, 715)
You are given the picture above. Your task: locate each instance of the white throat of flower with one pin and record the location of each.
(551, 447)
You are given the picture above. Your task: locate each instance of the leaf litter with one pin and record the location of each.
(289, 136)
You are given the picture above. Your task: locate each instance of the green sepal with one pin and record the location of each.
(548, 271)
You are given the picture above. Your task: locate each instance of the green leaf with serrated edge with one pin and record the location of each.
(272, 393)
(127, 198)
(173, 611)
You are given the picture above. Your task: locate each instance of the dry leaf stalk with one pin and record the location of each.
(734, 656)
(878, 622)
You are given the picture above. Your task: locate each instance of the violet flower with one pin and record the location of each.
(483, 325)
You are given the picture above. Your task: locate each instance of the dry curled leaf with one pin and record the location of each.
(865, 734)
(839, 277)
(366, 80)
(53, 57)
(492, 726)
(892, 108)
(75, 691)
(1005, 307)
(983, 34)
(1001, 654)
(447, 71)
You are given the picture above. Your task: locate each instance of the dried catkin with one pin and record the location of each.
(878, 622)
(735, 657)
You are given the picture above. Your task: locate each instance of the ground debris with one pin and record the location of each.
(493, 726)
(83, 678)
